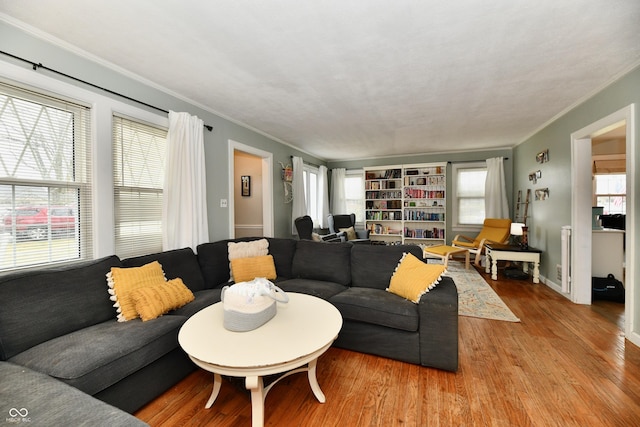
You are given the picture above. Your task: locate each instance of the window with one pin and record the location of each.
(611, 193)
(45, 189)
(354, 194)
(311, 192)
(468, 184)
(139, 156)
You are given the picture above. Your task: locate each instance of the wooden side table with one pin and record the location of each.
(496, 252)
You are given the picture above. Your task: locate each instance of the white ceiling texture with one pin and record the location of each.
(345, 79)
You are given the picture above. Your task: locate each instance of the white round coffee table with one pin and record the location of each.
(291, 342)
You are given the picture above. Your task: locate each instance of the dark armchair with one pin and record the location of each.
(339, 224)
(304, 225)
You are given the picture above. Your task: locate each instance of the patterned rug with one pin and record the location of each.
(475, 297)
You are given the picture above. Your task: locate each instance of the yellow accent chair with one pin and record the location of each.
(494, 230)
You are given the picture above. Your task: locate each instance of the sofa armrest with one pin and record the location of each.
(438, 311)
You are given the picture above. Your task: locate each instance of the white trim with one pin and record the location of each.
(267, 186)
(455, 226)
(581, 214)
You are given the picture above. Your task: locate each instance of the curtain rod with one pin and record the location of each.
(35, 67)
(473, 161)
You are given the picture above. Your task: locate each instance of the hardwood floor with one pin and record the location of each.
(562, 365)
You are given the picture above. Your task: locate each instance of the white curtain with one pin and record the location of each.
(338, 196)
(495, 190)
(323, 192)
(299, 205)
(184, 208)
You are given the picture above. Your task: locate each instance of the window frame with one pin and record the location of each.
(79, 180)
(609, 195)
(102, 109)
(455, 222)
(307, 171)
(357, 173)
(126, 191)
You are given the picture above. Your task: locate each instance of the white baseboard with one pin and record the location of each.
(554, 286)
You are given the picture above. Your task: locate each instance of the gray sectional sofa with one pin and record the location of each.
(60, 321)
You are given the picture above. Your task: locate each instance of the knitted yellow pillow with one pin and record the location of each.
(246, 249)
(123, 281)
(246, 269)
(413, 278)
(156, 300)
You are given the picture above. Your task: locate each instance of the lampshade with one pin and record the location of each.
(516, 228)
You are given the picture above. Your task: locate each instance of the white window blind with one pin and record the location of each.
(45, 188)
(469, 188)
(139, 156)
(354, 194)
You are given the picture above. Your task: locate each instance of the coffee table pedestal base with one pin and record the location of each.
(255, 384)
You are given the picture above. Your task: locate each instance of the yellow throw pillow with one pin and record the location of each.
(246, 269)
(413, 278)
(351, 233)
(123, 281)
(156, 300)
(246, 249)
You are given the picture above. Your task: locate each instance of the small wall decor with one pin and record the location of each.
(245, 180)
(543, 156)
(542, 193)
(535, 176)
(287, 181)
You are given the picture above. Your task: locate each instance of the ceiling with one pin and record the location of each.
(362, 78)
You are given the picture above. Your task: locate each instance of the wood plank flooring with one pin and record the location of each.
(563, 365)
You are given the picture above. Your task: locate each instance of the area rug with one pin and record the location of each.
(475, 297)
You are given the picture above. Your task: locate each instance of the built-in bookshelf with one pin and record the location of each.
(383, 203)
(406, 203)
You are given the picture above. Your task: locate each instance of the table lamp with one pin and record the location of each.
(520, 229)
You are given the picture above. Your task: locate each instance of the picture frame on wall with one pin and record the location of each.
(245, 181)
(543, 156)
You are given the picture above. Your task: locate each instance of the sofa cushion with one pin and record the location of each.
(282, 250)
(377, 307)
(373, 265)
(202, 299)
(96, 357)
(250, 249)
(317, 288)
(181, 263)
(154, 301)
(123, 281)
(48, 401)
(36, 306)
(247, 269)
(214, 262)
(323, 261)
(213, 259)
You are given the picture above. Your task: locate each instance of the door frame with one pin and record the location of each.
(267, 186)
(581, 213)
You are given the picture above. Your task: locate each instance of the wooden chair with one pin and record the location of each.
(493, 230)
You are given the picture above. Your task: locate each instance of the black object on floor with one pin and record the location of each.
(515, 273)
(607, 288)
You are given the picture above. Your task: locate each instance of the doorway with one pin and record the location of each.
(250, 196)
(581, 217)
